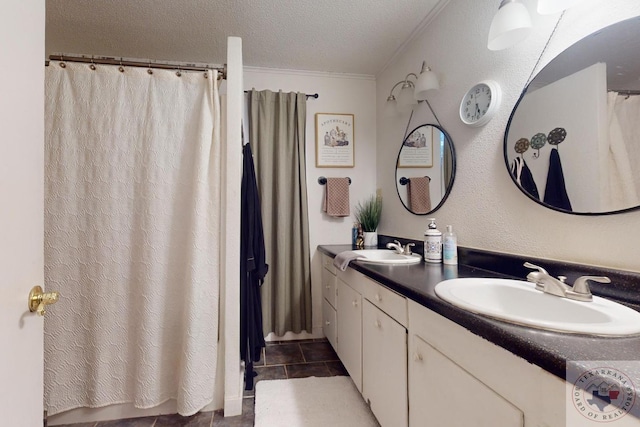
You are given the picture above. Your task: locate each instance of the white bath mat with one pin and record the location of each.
(311, 402)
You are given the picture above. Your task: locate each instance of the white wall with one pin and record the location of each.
(338, 93)
(485, 207)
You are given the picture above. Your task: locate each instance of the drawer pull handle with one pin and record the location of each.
(417, 357)
(377, 324)
(378, 297)
(327, 286)
(327, 323)
(355, 303)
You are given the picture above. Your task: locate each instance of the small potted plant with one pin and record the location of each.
(368, 214)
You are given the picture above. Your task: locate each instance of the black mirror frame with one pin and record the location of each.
(453, 169)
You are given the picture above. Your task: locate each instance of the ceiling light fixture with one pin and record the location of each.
(510, 25)
(411, 92)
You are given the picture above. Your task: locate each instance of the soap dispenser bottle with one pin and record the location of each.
(432, 243)
(450, 247)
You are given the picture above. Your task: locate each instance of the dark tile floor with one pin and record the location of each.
(285, 359)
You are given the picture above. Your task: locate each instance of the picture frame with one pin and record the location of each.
(417, 149)
(335, 140)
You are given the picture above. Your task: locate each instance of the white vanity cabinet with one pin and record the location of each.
(459, 379)
(329, 301)
(372, 344)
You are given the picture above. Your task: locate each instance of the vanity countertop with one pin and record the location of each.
(549, 350)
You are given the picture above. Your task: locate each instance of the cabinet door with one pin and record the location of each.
(384, 366)
(349, 313)
(441, 393)
(329, 323)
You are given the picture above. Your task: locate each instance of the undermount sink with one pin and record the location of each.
(518, 301)
(386, 256)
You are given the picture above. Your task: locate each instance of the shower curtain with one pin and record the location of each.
(277, 137)
(132, 208)
(621, 186)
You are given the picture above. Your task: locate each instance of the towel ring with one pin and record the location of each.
(323, 180)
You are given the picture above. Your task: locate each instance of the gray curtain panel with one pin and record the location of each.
(277, 137)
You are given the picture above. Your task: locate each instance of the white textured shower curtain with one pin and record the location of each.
(132, 191)
(621, 186)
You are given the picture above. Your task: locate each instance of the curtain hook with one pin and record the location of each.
(149, 70)
(62, 64)
(93, 65)
(206, 74)
(179, 73)
(121, 68)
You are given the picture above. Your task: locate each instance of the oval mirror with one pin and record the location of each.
(425, 169)
(571, 143)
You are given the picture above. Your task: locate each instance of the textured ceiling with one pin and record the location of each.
(352, 36)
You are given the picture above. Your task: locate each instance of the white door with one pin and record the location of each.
(21, 209)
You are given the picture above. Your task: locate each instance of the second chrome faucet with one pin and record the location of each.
(550, 285)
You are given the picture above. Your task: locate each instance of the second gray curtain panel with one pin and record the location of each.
(277, 137)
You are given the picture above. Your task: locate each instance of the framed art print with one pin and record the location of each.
(334, 140)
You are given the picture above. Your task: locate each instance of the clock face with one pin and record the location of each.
(476, 103)
(480, 103)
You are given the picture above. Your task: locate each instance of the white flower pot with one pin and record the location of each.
(370, 239)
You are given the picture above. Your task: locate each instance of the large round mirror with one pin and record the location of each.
(571, 143)
(425, 169)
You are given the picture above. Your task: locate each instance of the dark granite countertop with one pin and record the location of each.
(549, 350)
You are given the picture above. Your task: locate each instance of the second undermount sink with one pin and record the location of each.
(386, 256)
(519, 302)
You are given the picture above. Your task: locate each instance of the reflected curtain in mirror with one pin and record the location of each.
(277, 136)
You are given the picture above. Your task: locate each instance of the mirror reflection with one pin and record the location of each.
(425, 169)
(573, 143)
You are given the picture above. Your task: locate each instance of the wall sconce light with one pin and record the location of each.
(411, 92)
(512, 23)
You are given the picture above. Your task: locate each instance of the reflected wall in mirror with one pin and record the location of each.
(573, 140)
(425, 169)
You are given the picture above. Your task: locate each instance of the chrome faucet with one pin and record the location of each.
(550, 285)
(396, 246)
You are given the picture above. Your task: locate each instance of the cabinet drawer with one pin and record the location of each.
(327, 262)
(329, 287)
(393, 304)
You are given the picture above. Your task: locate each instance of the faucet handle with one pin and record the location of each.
(535, 267)
(407, 248)
(581, 284)
(581, 290)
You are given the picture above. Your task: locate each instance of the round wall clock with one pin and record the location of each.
(480, 103)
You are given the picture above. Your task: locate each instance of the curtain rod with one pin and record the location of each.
(308, 95)
(137, 63)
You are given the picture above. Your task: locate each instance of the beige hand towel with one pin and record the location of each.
(336, 197)
(419, 195)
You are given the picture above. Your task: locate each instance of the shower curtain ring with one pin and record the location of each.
(121, 68)
(93, 65)
(149, 70)
(179, 73)
(62, 64)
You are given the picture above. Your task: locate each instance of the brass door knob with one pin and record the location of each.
(39, 299)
